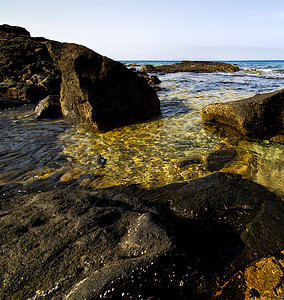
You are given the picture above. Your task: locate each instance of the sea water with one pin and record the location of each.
(169, 149)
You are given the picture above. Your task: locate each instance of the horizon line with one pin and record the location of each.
(201, 59)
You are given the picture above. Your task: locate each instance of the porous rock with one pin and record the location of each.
(99, 91)
(182, 240)
(260, 116)
(27, 71)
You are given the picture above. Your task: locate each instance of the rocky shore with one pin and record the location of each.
(92, 88)
(261, 116)
(216, 237)
(183, 240)
(192, 66)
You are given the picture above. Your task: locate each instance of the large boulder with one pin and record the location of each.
(99, 91)
(192, 66)
(260, 116)
(76, 243)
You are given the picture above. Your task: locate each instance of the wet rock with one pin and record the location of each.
(193, 66)
(26, 92)
(99, 91)
(49, 107)
(278, 138)
(181, 240)
(6, 103)
(81, 241)
(194, 160)
(260, 116)
(262, 280)
(147, 68)
(220, 159)
(223, 199)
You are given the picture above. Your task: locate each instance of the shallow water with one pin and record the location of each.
(169, 149)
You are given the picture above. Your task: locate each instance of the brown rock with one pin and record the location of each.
(99, 91)
(193, 66)
(8, 31)
(256, 117)
(262, 280)
(27, 71)
(265, 278)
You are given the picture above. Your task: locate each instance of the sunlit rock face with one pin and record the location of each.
(256, 117)
(99, 91)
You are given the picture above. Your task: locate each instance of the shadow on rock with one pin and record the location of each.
(181, 240)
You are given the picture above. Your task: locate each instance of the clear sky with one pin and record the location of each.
(157, 29)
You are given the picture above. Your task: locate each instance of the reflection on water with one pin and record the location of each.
(173, 148)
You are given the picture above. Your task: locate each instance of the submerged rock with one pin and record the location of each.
(219, 159)
(260, 116)
(182, 240)
(99, 91)
(192, 66)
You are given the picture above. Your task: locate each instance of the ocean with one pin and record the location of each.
(150, 154)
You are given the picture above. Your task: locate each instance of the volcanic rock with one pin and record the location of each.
(192, 66)
(99, 91)
(260, 116)
(8, 31)
(27, 71)
(181, 240)
(262, 280)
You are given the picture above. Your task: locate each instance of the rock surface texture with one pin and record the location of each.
(192, 66)
(27, 71)
(179, 241)
(260, 116)
(97, 90)
(94, 90)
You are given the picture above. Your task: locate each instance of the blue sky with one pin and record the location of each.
(168, 30)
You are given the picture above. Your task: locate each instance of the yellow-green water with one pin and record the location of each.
(149, 154)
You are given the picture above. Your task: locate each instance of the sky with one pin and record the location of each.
(157, 29)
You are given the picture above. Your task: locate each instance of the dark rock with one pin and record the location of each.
(195, 160)
(10, 103)
(8, 31)
(220, 159)
(99, 91)
(147, 68)
(263, 279)
(153, 80)
(193, 66)
(258, 117)
(81, 241)
(181, 240)
(23, 91)
(49, 107)
(27, 71)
